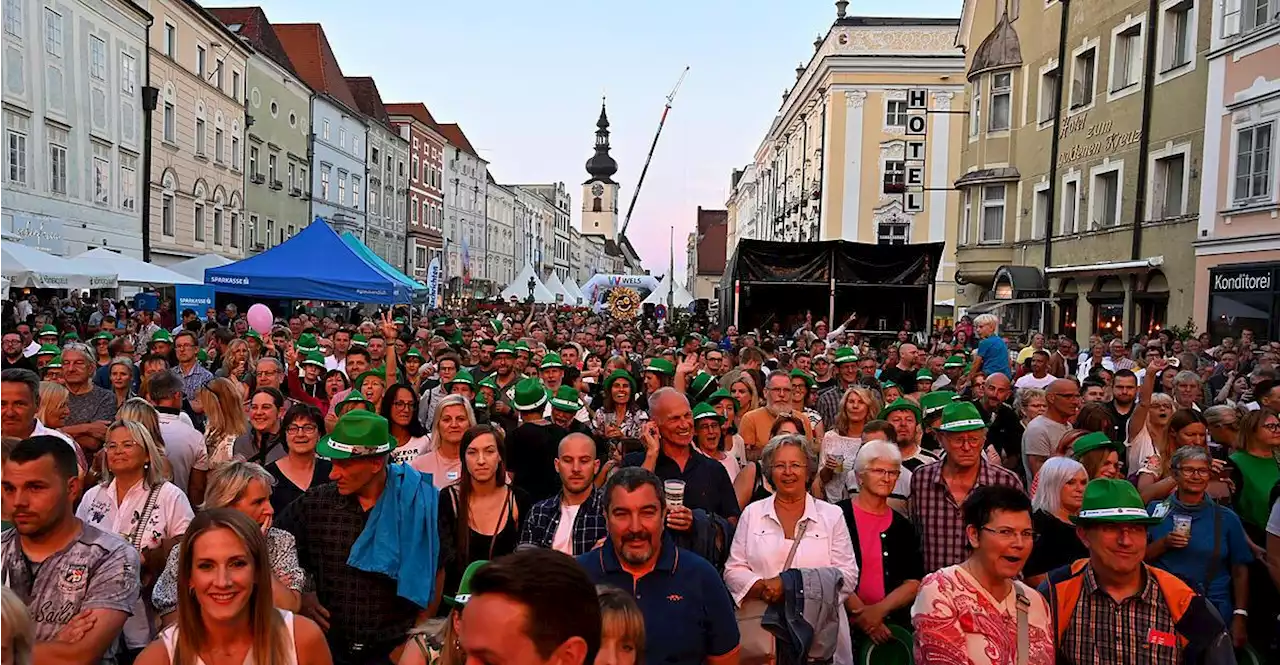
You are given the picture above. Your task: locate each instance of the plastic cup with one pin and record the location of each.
(674, 489)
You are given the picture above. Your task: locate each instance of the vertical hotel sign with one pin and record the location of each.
(916, 131)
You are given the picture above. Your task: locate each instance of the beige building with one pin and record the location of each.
(1080, 182)
(197, 134)
(841, 139)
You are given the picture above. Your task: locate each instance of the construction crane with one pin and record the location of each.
(639, 183)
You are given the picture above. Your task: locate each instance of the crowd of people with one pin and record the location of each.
(518, 484)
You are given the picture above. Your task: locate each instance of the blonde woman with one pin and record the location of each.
(443, 461)
(19, 633)
(140, 411)
(1029, 403)
(135, 501)
(742, 388)
(840, 444)
(226, 419)
(54, 410)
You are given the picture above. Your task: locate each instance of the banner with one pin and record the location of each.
(194, 297)
(433, 282)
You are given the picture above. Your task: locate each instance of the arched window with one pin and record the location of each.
(596, 205)
(170, 117)
(218, 197)
(201, 129)
(197, 219)
(168, 204)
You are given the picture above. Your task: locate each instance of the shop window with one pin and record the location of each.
(1154, 314)
(1068, 311)
(1108, 316)
(1232, 313)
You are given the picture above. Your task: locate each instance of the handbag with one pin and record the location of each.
(758, 644)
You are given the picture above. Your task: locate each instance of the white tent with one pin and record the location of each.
(556, 287)
(130, 270)
(194, 268)
(574, 293)
(29, 267)
(679, 296)
(519, 288)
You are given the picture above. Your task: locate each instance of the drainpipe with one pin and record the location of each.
(150, 98)
(1144, 151)
(804, 157)
(822, 162)
(1051, 217)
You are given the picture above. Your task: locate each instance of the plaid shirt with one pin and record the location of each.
(828, 404)
(544, 518)
(194, 380)
(937, 515)
(1104, 632)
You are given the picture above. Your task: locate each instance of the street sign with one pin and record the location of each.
(660, 311)
(917, 99)
(914, 202)
(916, 123)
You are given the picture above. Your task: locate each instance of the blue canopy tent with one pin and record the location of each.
(314, 264)
(419, 290)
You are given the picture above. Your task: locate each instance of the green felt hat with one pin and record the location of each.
(399, 320)
(521, 346)
(202, 356)
(701, 387)
(71, 336)
(809, 381)
(890, 384)
(307, 343)
(961, 417)
(464, 584)
(660, 366)
(463, 376)
(48, 330)
(530, 395)
(313, 358)
(54, 362)
(566, 399)
(932, 403)
(900, 404)
(379, 372)
(161, 337)
(896, 651)
(48, 350)
(845, 354)
(703, 410)
(481, 401)
(953, 362)
(252, 334)
(924, 375)
(723, 394)
(357, 434)
(496, 325)
(414, 353)
(1108, 501)
(506, 348)
(619, 374)
(551, 361)
(1091, 442)
(489, 382)
(360, 341)
(104, 336)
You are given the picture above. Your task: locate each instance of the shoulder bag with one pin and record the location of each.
(757, 642)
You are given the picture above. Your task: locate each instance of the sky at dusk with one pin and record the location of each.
(525, 79)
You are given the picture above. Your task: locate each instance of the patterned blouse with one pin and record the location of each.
(957, 622)
(630, 424)
(281, 550)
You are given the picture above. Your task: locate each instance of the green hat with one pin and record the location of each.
(961, 417)
(522, 346)
(359, 340)
(464, 584)
(54, 362)
(313, 358)
(723, 394)
(953, 362)
(463, 376)
(1108, 501)
(489, 382)
(660, 366)
(71, 336)
(551, 361)
(307, 343)
(701, 387)
(399, 320)
(566, 399)
(845, 354)
(481, 401)
(354, 396)
(896, 651)
(161, 337)
(530, 395)
(900, 404)
(202, 356)
(47, 330)
(1091, 442)
(506, 348)
(924, 375)
(414, 353)
(809, 381)
(619, 374)
(252, 334)
(890, 384)
(357, 434)
(496, 325)
(932, 403)
(703, 410)
(48, 350)
(104, 335)
(380, 372)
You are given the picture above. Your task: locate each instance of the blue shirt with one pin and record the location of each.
(995, 356)
(688, 614)
(707, 483)
(1191, 563)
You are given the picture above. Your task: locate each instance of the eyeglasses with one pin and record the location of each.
(1197, 471)
(1271, 427)
(1007, 534)
(884, 473)
(302, 429)
(401, 404)
(793, 467)
(127, 446)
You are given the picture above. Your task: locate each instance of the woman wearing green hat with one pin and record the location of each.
(620, 417)
(708, 440)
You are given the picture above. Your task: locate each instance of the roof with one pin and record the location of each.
(368, 100)
(251, 24)
(313, 60)
(1001, 49)
(896, 21)
(416, 110)
(452, 133)
(213, 20)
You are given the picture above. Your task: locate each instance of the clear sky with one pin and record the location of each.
(524, 79)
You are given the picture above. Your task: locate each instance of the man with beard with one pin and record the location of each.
(573, 521)
(13, 356)
(485, 358)
(904, 373)
(81, 583)
(905, 417)
(501, 410)
(1039, 376)
(828, 405)
(1004, 427)
(756, 424)
(1040, 440)
(688, 613)
(668, 452)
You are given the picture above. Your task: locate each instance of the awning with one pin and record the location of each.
(1108, 266)
(1022, 278)
(988, 176)
(131, 270)
(29, 267)
(992, 305)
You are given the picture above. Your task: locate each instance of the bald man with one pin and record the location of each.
(904, 373)
(573, 521)
(1043, 434)
(1004, 427)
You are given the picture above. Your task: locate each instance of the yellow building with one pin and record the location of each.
(841, 136)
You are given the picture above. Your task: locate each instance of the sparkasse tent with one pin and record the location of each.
(315, 264)
(377, 261)
(130, 270)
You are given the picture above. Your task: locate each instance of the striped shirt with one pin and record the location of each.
(937, 515)
(1104, 632)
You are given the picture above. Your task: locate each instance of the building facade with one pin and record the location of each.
(386, 172)
(466, 186)
(73, 124)
(197, 142)
(554, 218)
(338, 157)
(741, 207)
(426, 185)
(538, 215)
(1079, 192)
(1237, 247)
(276, 143)
(500, 259)
(705, 250)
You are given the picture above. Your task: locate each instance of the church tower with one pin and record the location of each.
(600, 192)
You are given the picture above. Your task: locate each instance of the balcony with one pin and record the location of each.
(277, 185)
(295, 191)
(257, 178)
(977, 264)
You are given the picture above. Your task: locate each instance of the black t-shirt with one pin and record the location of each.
(905, 378)
(531, 455)
(1056, 544)
(22, 362)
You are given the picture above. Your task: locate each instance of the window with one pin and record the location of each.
(302, 178)
(218, 154)
(1253, 164)
(413, 209)
(217, 226)
(235, 151)
(1170, 176)
(97, 58)
(200, 60)
(128, 74)
(896, 113)
(1040, 210)
(251, 233)
(170, 43)
(217, 75)
(893, 233)
(1048, 104)
(1001, 93)
(966, 217)
(992, 214)
(975, 106)
(58, 141)
(199, 221)
(1179, 35)
(342, 138)
(1257, 13)
(271, 169)
(13, 18)
(342, 187)
(200, 136)
(1070, 204)
(166, 214)
(128, 182)
(325, 131)
(1105, 197)
(895, 172)
(53, 32)
(1126, 56)
(235, 87)
(17, 129)
(293, 169)
(419, 256)
(400, 167)
(101, 174)
(170, 121)
(415, 168)
(1083, 71)
(235, 229)
(324, 183)
(355, 192)
(271, 232)
(253, 160)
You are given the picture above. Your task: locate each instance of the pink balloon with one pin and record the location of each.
(260, 318)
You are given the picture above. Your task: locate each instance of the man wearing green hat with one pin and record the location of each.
(952, 368)
(532, 445)
(564, 406)
(503, 409)
(905, 416)
(939, 489)
(846, 370)
(1113, 607)
(463, 384)
(44, 355)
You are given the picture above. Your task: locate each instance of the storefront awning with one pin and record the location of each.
(1108, 266)
(988, 176)
(992, 305)
(1021, 278)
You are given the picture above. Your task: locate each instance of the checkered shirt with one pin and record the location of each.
(1104, 632)
(937, 515)
(544, 518)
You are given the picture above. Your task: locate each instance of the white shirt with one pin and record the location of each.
(169, 637)
(1086, 364)
(24, 309)
(169, 519)
(32, 349)
(760, 549)
(1030, 381)
(562, 541)
(334, 362)
(41, 430)
(411, 450)
(184, 446)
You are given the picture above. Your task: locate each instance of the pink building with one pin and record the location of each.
(426, 184)
(1238, 241)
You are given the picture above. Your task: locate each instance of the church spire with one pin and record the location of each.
(601, 166)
